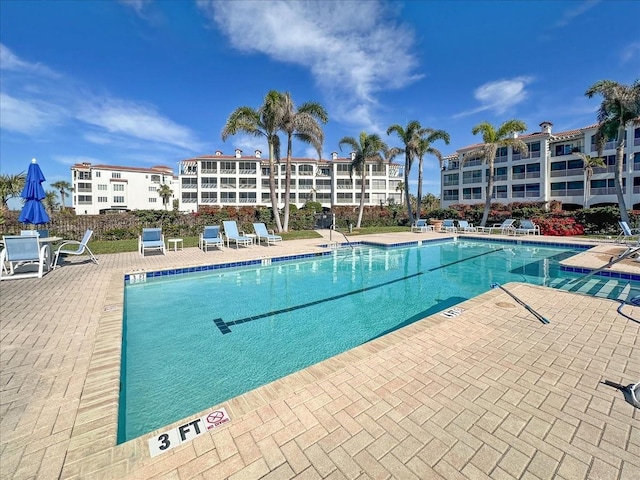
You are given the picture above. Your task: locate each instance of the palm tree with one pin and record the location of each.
(263, 122)
(367, 149)
(410, 137)
(51, 201)
(63, 187)
(620, 107)
(430, 202)
(400, 188)
(494, 139)
(427, 137)
(304, 125)
(11, 186)
(165, 193)
(588, 163)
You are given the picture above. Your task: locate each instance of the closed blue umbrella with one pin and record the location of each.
(33, 211)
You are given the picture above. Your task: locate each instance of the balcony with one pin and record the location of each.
(450, 198)
(473, 163)
(636, 142)
(248, 172)
(606, 191)
(228, 171)
(500, 178)
(208, 200)
(247, 200)
(84, 190)
(572, 192)
(209, 186)
(344, 200)
(469, 196)
(189, 186)
(451, 183)
(209, 170)
(502, 159)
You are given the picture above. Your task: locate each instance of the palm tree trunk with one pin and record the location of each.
(487, 203)
(406, 190)
(287, 188)
(362, 192)
(272, 189)
(624, 216)
(419, 206)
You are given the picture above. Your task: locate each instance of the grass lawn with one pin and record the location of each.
(99, 247)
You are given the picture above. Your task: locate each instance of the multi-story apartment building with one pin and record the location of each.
(244, 181)
(550, 171)
(106, 188)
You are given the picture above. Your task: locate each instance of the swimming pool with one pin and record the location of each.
(192, 341)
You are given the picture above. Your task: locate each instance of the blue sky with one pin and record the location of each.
(143, 82)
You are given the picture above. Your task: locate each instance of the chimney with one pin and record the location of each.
(238, 153)
(334, 155)
(258, 154)
(546, 127)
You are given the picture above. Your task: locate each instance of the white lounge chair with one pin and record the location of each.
(151, 239)
(263, 234)
(22, 250)
(465, 226)
(421, 226)
(448, 225)
(527, 227)
(81, 247)
(211, 237)
(232, 234)
(505, 227)
(627, 233)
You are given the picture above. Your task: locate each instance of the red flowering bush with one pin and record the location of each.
(559, 226)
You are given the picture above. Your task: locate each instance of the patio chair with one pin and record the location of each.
(465, 226)
(627, 233)
(448, 225)
(232, 234)
(527, 227)
(421, 226)
(211, 237)
(263, 234)
(151, 239)
(505, 227)
(21, 250)
(81, 247)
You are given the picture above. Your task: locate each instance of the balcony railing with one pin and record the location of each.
(567, 172)
(636, 189)
(247, 200)
(500, 178)
(501, 159)
(209, 170)
(209, 185)
(636, 142)
(501, 195)
(251, 171)
(471, 196)
(474, 162)
(636, 167)
(451, 183)
(606, 191)
(344, 200)
(465, 181)
(208, 200)
(84, 190)
(450, 198)
(227, 171)
(189, 200)
(189, 186)
(518, 176)
(248, 185)
(571, 192)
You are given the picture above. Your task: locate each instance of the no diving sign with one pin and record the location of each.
(187, 432)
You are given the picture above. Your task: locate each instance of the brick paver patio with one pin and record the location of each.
(491, 393)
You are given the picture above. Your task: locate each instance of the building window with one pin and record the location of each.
(152, 199)
(500, 191)
(118, 187)
(342, 168)
(209, 167)
(155, 178)
(102, 187)
(500, 174)
(189, 197)
(451, 179)
(228, 197)
(102, 200)
(84, 199)
(247, 167)
(118, 199)
(84, 187)
(209, 197)
(97, 174)
(451, 195)
(153, 189)
(474, 193)
(227, 167)
(474, 176)
(208, 182)
(305, 169)
(377, 184)
(189, 183)
(326, 184)
(115, 175)
(228, 183)
(84, 175)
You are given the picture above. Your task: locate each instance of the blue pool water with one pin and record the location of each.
(192, 341)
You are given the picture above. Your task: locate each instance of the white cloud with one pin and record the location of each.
(499, 96)
(137, 121)
(631, 52)
(574, 12)
(137, 6)
(29, 117)
(352, 49)
(40, 105)
(11, 62)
